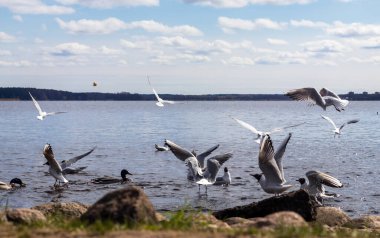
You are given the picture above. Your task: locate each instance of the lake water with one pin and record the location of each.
(125, 134)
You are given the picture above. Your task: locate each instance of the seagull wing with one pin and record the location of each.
(49, 155)
(71, 161)
(278, 129)
(329, 120)
(36, 104)
(178, 151)
(339, 104)
(349, 122)
(304, 94)
(221, 158)
(316, 177)
(213, 167)
(167, 101)
(280, 153)
(325, 92)
(201, 157)
(247, 126)
(267, 163)
(54, 113)
(154, 91)
(195, 170)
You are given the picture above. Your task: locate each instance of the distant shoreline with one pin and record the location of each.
(21, 94)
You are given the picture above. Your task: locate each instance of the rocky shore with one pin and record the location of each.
(128, 212)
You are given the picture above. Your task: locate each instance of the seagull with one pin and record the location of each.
(261, 134)
(65, 164)
(225, 179)
(12, 184)
(161, 148)
(56, 169)
(207, 177)
(337, 131)
(94, 84)
(183, 154)
(272, 179)
(42, 114)
(109, 180)
(323, 98)
(160, 102)
(316, 181)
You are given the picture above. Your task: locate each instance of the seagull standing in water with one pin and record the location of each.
(323, 98)
(337, 131)
(261, 134)
(316, 181)
(225, 179)
(41, 113)
(272, 179)
(160, 102)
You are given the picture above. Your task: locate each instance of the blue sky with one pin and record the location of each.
(190, 46)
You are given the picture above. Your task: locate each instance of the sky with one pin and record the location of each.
(190, 46)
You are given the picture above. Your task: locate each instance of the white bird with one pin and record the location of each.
(316, 181)
(56, 169)
(12, 184)
(161, 148)
(41, 113)
(208, 177)
(261, 134)
(323, 98)
(160, 102)
(225, 179)
(272, 179)
(337, 131)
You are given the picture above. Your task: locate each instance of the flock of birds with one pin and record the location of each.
(203, 170)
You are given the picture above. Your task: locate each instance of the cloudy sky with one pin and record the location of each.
(190, 46)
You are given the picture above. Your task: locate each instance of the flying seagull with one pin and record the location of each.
(270, 163)
(261, 134)
(323, 98)
(160, 102)
(337, 131)
(316, 181)
(41, 113)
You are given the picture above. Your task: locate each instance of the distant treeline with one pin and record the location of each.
(57, 95)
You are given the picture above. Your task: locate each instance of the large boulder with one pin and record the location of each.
(298, 201)
(127, 205)
(369, 221)
(331, 216)
(209, 221)
(63, 209)
(24, 216)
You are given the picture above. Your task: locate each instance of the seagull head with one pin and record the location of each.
(225, 169)
(301, 180)
(257, 176)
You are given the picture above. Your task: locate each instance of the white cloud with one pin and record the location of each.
(230, 24)
(38, 40)
(308, 23)
(34, 7)
(70, 49)
(106, 4)
(243, 61)
(109, 51)
(4, 37)
(17, 18)
(21, 63)
(276, 41)
(371, 60)
(324, 46)
(370, 43)
(140, 44)
(354, 29)
(5, 53)
(110, 25)
(244, 3)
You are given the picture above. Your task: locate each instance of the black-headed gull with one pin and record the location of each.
(323, 98)
(338, 130)
(160, 102)
(41, 113)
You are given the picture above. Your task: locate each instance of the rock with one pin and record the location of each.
(331, 216)
(24, 216)
(64, 209)
(209, 221)
(287, 219)
(371, 222)
(129, 205)
(160, 217)
(236, 220)
(297, 201)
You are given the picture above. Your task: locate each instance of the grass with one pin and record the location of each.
(183, 221)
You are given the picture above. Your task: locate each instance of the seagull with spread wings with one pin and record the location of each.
(323, 98)
(160, 102)
(41, 113)
(338, 130)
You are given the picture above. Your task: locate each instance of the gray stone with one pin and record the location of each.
(331, 216)
(63, 209)
(24, 216)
